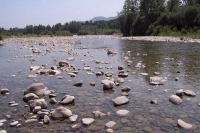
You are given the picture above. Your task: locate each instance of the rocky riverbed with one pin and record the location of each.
(99, 84)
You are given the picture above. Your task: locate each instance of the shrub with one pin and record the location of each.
(63, 33)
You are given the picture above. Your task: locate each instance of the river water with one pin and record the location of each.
(180, 60)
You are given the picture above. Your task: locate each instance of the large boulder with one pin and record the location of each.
(37, 88)
(67, 99)
(120, 100)
(175, 99)
(37, 102)
(61, 113)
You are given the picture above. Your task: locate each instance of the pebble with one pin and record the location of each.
(3, 131)
(87, 121)
(14, 123)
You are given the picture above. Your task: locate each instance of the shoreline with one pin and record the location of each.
(71, 40)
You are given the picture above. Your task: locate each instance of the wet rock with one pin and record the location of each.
(110, 52)
(87, 68)
(13, 104)
(122, 112)
(144, 74)
(183, 124)
(67, 99)
(64, 63)
(3, 131)
(120, 68)
(76, 127)
(52, 95)
(73, 118)
(120, 100)
(153, 101)
(157, 80)
(54, 67)
(109, 74)
(110, 124)
(41, 114)
(127, 89)
(55, 72)
(34, 68)
(52, 101)
(61, 113)
(32, 76)
(37, 102)
(14, 123)
(107, 85)
(147, 129)
(78, 84)
(98, 114)
(37, 88)
(46, 119)
(189, 93)
(119, 80)
(36, 109)
(92, 83)
(109, 130)
(28, 56)
(175, 99)
(29, 121)
(71, 74)
(45, 71)
(70, 59)
(123, 75)
(30, 96)
(87, 121)
(179, 92)
(3, 91)
(176, 79)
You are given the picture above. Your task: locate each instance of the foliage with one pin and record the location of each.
(62, 33)
(160, 17)
(1, 37)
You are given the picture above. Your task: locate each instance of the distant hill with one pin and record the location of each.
(102, 18)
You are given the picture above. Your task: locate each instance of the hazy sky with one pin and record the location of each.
(19, 13)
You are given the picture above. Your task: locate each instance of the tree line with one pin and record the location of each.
(160, 18)
(67, 29)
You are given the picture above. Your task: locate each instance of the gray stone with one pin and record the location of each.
(67, 99)
(45, 71)
(109, 130)
(120, 100)
(189, 93)
(179, 92)
(37, 88)
(127, 88)
(63, 63)
(175, 99)
(37, 102)
(61, 113)
(157, 80)
(36, 109)
(29, 121)
(41, 114)
(30, 96)
(78, 84)
(14, 123)
(3, 91)
(108, 85)
(52, 101)
(55, 72)
(34, 68)
(46, 119)
(3, 131)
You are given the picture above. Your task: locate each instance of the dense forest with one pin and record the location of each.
(160, 18)
(137, 18)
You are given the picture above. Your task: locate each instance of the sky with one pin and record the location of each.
(19, 13)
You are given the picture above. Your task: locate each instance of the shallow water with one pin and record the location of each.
(144, 117)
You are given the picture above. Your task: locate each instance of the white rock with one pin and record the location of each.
(122, 112)
(87, 121)
(120, 100)
(14, 123)
(175, 99)
(110, 124)
(183, 124)
(73, 118)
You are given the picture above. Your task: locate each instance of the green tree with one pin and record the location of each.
(173, 5)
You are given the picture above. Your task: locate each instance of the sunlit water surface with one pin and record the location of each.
(144, 116)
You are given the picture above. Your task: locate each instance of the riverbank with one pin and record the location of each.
(70, 40)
